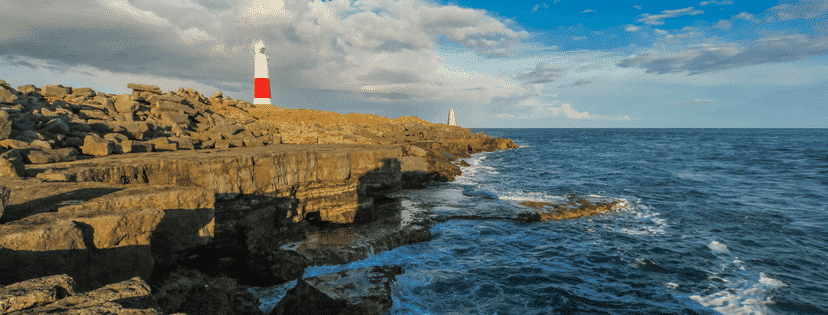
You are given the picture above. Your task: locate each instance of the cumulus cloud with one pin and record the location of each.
(658, 19)
(696, 101)
(708, 57)
(338, 45)
(637, 7)
(589, 11)
(542, 73)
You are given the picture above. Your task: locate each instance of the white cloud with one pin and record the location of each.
(661, 32)
(632, 28)
(532, 108)
(658, 18)
(589, 11)
(637, 7)
(541, 5)
(722, 2)
(714, 57)
(384, 49)
(143, 16)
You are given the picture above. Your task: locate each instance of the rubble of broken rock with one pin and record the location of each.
(162, 203)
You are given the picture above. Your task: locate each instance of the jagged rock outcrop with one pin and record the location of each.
(56, 295)
(365, 291)
(79, 230)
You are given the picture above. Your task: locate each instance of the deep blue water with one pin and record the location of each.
(730, 221)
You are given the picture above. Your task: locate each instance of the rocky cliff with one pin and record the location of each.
(105, 198)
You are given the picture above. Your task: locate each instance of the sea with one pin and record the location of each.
(713, 221)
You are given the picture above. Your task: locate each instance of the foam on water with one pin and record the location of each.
(743, 298)
(717, 247)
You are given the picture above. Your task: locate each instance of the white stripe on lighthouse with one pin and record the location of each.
(261, 77)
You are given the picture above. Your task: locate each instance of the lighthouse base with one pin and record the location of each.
(261, 101)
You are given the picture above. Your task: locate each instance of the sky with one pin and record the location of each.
(498, 64)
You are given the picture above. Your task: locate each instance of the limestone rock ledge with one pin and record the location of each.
(335, 182)
(99, 233)
(56, 295)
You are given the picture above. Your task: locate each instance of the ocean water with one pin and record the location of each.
(731, 221)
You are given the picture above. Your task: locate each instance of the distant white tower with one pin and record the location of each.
(451, 121)
(261, 78)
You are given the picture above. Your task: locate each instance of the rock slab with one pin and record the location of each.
(360, 291)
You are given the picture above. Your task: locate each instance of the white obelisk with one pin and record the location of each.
(451, 121)
(261, 78)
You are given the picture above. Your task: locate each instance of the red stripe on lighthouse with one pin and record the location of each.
(261, 88)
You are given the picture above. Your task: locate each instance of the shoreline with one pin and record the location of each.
(182, 195)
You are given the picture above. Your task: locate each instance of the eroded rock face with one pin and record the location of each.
(335, 182)
(97, 238)
(359, 291)
(56, 294)
(35, 292)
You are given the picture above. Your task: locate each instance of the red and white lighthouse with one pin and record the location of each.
(261, 78)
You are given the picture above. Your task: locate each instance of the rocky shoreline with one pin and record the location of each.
(164, 203)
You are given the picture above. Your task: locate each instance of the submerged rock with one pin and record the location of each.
(575, 207)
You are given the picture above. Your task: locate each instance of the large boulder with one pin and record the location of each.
(125, 105)
(56, 126)
(5, 125)
(56, 294)
(35, 292)
(55, 91)
(50, 155)
(175, 118)
(7, 96)
(167, 106)
(144, 88)
(359, 291)
(84, 91)
(95, 145)
(11, 164)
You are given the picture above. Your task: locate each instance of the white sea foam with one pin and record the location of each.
(476, 169)
(671, 285)
(647, 220)
(745, 298)
(717, 247)
(520, 195)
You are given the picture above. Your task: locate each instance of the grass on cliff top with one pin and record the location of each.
(278, 115)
